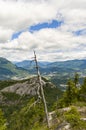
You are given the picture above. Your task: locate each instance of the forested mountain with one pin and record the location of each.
(28, 63)
(19, 95)
(8, 70)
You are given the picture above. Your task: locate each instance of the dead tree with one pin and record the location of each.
(42, 91)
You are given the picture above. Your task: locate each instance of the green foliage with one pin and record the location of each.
(9, 70)
(30, 117)
(6, 83)
(13, 102)
(51, 94)
(11, 96)
(83, 88)
(9, 109)
(2, 121)
(80, 103)
(60, 103)
(70, 96)
(83, 91)
(76, 79)
(42, 127)
(73, 94)
(73, 117)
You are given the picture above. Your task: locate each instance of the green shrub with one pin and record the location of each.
(73, 117)
(2, 121)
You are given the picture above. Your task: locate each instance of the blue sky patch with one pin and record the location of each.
(16, 35)
(37, 27)
(80, 32)
(53, 24)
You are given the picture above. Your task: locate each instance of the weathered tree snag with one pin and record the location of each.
(42, 91)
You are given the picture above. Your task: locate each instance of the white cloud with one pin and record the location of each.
(20, 15)
(5, 34)
(50, 44)
(57, 44)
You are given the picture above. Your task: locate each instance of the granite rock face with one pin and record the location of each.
(28, 87)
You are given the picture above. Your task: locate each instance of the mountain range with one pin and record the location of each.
(57, 72)
(56, 69)
(51, 67)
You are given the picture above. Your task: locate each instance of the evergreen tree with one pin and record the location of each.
(76, 79)
(70, 95)
(2, 121)
(30, 116)
(83, 90)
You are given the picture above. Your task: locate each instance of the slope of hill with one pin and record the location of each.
(75, 64)
(9, 70)
(16, 94)
(28, 64)
(30, 87)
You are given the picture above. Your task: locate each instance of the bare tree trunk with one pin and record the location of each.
(42, 91)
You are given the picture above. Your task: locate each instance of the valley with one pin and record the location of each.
(57, 72)
(19, 95)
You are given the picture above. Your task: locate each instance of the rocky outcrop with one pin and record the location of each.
(28, 87)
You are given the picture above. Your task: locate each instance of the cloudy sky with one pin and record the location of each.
(55, 29)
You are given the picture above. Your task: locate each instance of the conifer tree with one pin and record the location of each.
(76, 79)
(70, 95)
(83, 90)
(2, 121)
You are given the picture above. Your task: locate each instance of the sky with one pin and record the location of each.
(55, 29)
